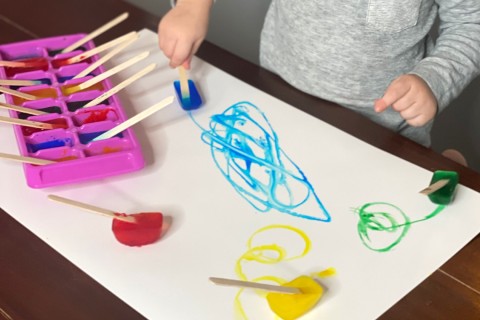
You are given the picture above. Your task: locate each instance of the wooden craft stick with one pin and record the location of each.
(16, 93)
(96, 32)
(255, 285)
(183, 83)
(137, 118)
(19, 82)
(87, 54)
(13, 64)
(106, 57)
(434, 187)
(112, 71)
(120, 86)
(90, 208)
(21, 109)
(27, 123)
(40, 162)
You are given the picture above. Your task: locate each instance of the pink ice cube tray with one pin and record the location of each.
(78, 159)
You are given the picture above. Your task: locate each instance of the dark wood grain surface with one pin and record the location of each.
(38, 283)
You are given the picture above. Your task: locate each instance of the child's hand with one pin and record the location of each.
(182, 30)
(411, 97)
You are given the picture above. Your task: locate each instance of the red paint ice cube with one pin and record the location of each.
(146, 229)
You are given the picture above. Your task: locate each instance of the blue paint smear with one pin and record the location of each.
(246, 149)
(46, 145)
(41, 81)
(45, 81)
(52, 109)
(66, 78)
(54, 52)
(75, 105)
(88, 137)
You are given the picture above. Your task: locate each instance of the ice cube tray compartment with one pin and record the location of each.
(38, 75)
(77, 157)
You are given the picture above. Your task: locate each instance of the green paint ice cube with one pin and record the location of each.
(445, 194)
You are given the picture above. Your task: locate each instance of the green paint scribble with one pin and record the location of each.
(392, 221)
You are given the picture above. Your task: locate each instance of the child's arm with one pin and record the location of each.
(445, 72)
(182, 30)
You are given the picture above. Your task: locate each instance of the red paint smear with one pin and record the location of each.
(96, 115)
(146, 230)
(27, 131)
(111, 150)
(60, 63)
(57, 63)
(57, 124)
(29, 65)
(33, 62)
(67, 158)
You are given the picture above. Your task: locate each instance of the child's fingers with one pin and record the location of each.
(186, 64)
(168, 47)
(418, 120)
(380, 105)
(396, 91)
(403, 103)
(182, 53)
(409, 113)
(419, 116)
(166, 39)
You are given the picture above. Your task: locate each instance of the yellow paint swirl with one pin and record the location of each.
(270, 253)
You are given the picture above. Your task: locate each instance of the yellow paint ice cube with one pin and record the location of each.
(292, 306)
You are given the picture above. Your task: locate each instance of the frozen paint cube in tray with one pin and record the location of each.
(77, 157)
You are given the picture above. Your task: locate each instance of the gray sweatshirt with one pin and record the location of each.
(349, 51)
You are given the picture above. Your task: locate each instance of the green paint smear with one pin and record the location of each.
(379, 221)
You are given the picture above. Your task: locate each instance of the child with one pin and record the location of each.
(373, 56)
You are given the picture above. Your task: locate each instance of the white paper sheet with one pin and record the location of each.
(212, 222)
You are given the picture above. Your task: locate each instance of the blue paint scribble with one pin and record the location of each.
(246, 149)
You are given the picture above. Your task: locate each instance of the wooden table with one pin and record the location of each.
(38, 283)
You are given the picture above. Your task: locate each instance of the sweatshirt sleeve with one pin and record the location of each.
(455, 59)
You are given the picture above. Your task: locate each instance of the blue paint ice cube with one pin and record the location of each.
(194, 101)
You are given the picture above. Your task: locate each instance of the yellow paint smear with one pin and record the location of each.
(273, 253)
(292, 306)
